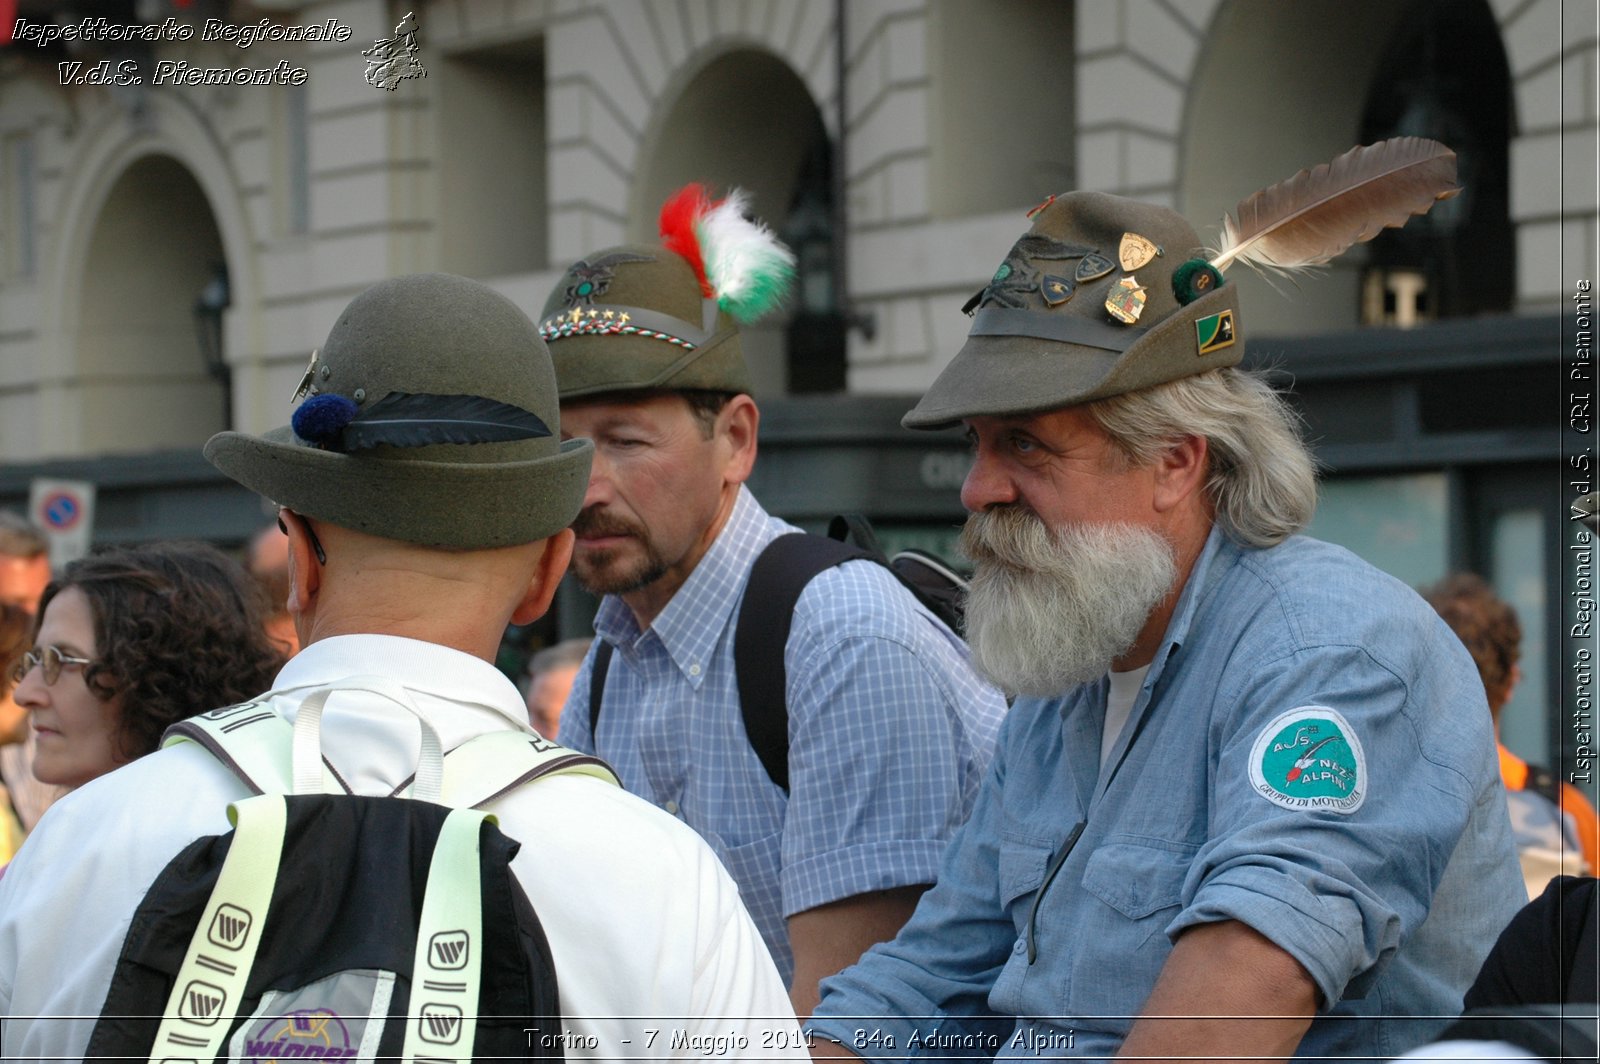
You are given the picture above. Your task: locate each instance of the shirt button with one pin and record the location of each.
(694, 670)
(671, 807)
(1020, 946)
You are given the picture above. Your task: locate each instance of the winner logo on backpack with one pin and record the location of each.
(248, 947)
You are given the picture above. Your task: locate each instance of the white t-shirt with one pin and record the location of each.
(645, 927)
(1119, 704)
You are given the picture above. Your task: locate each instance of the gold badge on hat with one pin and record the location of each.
(1126, 300)
(305, 381)
(1136, 251)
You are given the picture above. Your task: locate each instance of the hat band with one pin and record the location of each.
(994, 321)
(631, 321)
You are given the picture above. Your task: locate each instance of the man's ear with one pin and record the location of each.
(737, 425)
(1181, 471)
(305, 573)
(546, 577)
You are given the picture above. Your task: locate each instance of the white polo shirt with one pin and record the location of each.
(645, 927)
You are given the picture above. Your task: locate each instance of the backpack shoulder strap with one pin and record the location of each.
(597, 687)
(488, 766)
(252, 741)
(766, 613)
(256, 745)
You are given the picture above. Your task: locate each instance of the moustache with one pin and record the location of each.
(594, 521)
(1011, 536)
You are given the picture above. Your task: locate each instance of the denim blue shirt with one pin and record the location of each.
(1389, 884)
(890, 730)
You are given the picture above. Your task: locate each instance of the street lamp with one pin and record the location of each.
(215, 297)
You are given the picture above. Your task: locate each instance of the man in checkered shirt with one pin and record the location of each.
(890, 729)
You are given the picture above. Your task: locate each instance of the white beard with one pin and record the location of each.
(1049, 610)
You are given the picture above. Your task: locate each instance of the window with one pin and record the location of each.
(1398, 523)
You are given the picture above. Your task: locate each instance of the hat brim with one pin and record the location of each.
(457, 505)
(1007, 376)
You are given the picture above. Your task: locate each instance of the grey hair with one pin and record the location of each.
(1262, 477)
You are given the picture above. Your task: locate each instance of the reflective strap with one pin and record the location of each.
(442, 1015)
(256, 747)
(252, 741)
(487, 766)
(210, 984)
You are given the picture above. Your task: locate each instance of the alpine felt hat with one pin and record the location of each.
(636, 318)
(1102, 295)
(431, 418)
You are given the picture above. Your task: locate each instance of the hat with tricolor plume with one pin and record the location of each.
(643, 316)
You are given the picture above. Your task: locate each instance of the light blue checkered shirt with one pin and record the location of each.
(890, 730)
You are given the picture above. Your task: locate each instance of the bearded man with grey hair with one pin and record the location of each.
(1240, 809)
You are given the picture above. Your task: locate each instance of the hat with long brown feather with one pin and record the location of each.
(1105, 295)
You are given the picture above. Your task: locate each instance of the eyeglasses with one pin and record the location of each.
(52, 658)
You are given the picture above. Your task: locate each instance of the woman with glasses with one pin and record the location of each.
(131, 640)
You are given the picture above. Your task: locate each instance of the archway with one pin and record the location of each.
(141, 363)
(1445, 76)
(746, 119)
(1279, 87)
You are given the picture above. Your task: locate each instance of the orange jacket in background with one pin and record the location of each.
(1514, 771)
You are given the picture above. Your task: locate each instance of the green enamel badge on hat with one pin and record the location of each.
(1310, 758)
(1214, 332)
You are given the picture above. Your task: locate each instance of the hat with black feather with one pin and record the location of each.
(642, 316)
(429, 416)
(1105, 295)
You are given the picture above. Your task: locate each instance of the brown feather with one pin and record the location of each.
(1318, 213)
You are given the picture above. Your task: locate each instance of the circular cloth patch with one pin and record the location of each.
(1310, 758)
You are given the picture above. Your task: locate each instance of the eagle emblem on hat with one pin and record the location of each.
(590, 279)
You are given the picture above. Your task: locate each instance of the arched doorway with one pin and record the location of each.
(746, 119)
(148, 343)
(1279, 87)
(1444, 76)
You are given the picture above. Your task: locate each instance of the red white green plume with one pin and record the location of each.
(739, 261)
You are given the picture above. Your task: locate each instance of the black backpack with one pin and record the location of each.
(342, 926)
(780, 573)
